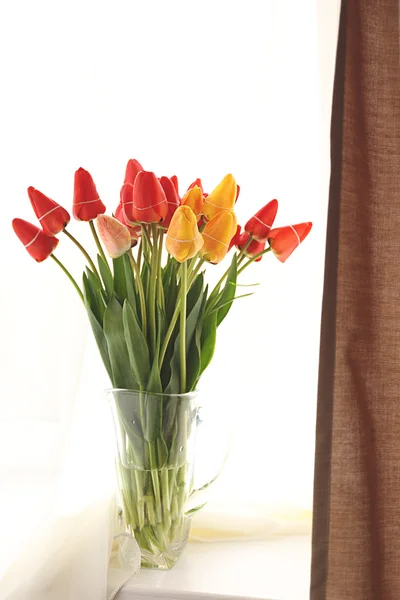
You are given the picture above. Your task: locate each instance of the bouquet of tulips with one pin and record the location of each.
(154, 317)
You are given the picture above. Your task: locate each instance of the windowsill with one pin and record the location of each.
(277, 569)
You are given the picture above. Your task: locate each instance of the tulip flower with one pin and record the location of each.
(194, 199)
(237, 193)
(87, 204)
(221, 198)
(114, 235)
(284, 240)
(173, 200)
(174, 180)
(132, 169)
(149, 203)
(252, 248)
(38, 244)
(259, 225)
(183, 237)
(217, 234)
(235, 240)
(53, 217)
(121, 217)
(196, 182)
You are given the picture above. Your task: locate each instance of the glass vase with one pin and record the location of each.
(156, 436)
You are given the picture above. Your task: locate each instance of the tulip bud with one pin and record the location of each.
(174, 180)
(259, 225)
(132, 169)
(38, 244)
(183, 237)
(173, 200)
(149, 203)
(284, 240)
(250, 249)
(196, 182)
(221, 198)
(217, 234)
(235, 240)
(53, 217)
(121, 217)
(194, 199)
(114, 235)
(87, 204)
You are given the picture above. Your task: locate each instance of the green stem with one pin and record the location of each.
(253, 259)
(82, 249)
(140, 253)
(153, 288)
(142, 299)
(68, 274)
(98, 244)
(182, 331)
(160, 289)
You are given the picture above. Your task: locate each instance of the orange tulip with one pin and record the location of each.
(259, 225)
(53, 217)
(114, 235)
(221, 198)
(132, 169)
(38, 244)
(194, 199)
(149, 203)
(284, 240)
(87, 204)
(217, 234)
(173, 200)
(183, 237)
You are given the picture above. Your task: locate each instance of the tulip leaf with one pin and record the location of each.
(130, 282)
(97, 330)
(230, 301)
(137, 346)
(119, 279)
(225, 302)
(208, 339)
(117, 349)
(194, 304)
(194, 355)
(106, 275)
(92, 292)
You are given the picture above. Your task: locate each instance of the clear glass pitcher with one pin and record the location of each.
(156, 437)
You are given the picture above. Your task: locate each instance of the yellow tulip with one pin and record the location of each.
(194, 199)
(222, 198)
(217, 234)
(183, 237)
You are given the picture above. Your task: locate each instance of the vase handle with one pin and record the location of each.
(197, 498)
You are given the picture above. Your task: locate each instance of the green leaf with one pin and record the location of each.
(137, 346)
(192, 511)
(208, 339)
(228, 293)
(130, 282)
(194, 356)
(106, 275)
(92, 295)
(117, 349)
(119, 279)
(100, 339)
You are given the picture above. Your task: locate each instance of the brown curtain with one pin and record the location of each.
(356, 529)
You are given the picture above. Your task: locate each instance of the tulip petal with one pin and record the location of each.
(284, 240)
(217, 234)
(260, 224)
(53, 217)
(87, 204)
(133, 167)
(221, 198)
(114, 235)
(149, 203)
(37, 243)
(183, 239)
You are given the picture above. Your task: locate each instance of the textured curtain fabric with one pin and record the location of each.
(356, 542)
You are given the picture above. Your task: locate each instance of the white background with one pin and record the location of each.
(187, 88)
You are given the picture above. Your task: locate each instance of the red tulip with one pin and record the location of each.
(121, 217)
(284, 240)
(132, 169)
(53, 217)
(253, 248)
(38, 244)
(235, 240)
(173, 199)
(87, 204)
(259, 225)
(198, 183)
(174, 180)
(149, 203)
